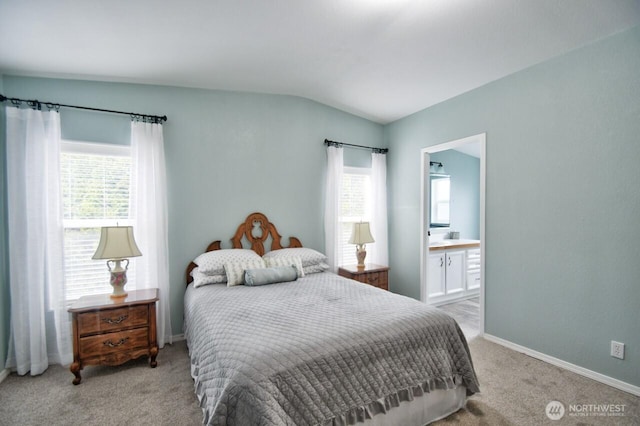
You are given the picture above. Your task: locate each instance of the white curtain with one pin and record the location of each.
(332, 206)
(379, 251)
(149, 211)
(40, 332)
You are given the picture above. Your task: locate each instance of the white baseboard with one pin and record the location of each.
(177, 337)
(4, 374)
(598, 377)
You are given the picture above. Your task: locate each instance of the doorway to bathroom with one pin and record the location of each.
(452, 258)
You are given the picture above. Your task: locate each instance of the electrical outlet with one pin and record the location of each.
(617, 349)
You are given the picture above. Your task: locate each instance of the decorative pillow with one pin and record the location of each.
(314, 269)
(200, 279)
(307, 256)
(277, 274)
(212, 262)
(235, 270)
(286, 261)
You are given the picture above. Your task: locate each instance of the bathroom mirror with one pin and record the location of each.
(440, 193)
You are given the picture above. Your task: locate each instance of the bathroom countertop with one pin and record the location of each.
(449, 244)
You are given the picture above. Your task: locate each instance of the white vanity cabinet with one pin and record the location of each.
(446, 272)
(473, 269)
(453, 271)
(436, 278)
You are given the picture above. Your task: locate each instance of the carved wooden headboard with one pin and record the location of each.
(256, 228)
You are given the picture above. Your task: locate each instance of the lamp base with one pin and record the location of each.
(118, 297)
(361, 253)
(118, 279)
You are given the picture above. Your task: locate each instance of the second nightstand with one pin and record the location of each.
(375, 275)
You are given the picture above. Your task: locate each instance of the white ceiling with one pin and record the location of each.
(380, 59)
(472, 149)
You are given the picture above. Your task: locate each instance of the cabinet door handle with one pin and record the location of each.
(115, 321)
(115, 345)
(449, 261)
(441, 261)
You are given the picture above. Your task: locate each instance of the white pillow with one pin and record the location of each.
(200, 279)
(212, 262)
(313, 269)
(307, 256)
(235, 270)
(294, 261)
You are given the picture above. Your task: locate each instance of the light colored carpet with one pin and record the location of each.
(515, 391)
(131, 394)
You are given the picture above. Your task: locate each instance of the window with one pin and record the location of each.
(355, 206)
(440, 194)
(95, 192)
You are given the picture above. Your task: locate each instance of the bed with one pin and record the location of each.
(318, 350)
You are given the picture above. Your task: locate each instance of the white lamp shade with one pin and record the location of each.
(117, 242)
(361, 234)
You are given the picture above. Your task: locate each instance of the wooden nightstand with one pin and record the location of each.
(111, 332)
(375, 275)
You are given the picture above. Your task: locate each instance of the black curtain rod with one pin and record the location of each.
(36, 104)
(339, 144)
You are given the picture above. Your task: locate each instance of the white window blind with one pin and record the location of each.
(355, 206)
(95, 190)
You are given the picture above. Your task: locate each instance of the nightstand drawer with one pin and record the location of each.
(112, 319)
(114, 342)
(377, 279)
(373, 279)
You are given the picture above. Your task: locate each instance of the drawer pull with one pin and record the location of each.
(115, 345)
(115, 321)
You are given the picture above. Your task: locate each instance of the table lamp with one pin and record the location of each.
(117, 244)
(360, 236)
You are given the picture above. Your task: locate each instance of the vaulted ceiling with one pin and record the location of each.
(380, 59)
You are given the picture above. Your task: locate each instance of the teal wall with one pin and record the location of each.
(228, 154)
(4, 273)
(562, 201)
(465, 191)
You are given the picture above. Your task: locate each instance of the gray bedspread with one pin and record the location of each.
(320, 350)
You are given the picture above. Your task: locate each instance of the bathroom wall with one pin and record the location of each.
(465, 191)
